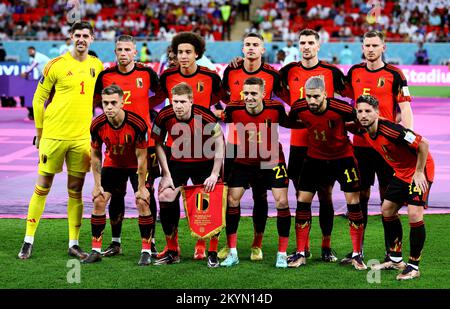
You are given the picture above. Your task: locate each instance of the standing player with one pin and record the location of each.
(294, 76)
(233, 78)
(206, 85)
(125, 135)
(185, 123)
(259, 158)
(329, 158)
(62, 132)
(386, 83)
(407, 153)
(136, 81)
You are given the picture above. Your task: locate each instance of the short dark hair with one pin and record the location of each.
(255, 81)
(189, 38)
(31, 47)
(373, 34)
(80, 25)
(365, 98)
(127, 38)
(307, 32)
(253, 35)
(112, 89)
(182, 89)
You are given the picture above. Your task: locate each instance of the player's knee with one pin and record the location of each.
(415, 214)
(325, 199)
(387, 210)
(364, 194)
(142, 207)
(75, 183)
(352, 199)
(99, 205)
(282, 203)
(168, 195)
(325, 195)
(232, 202)
(259, 195)
(45, 180)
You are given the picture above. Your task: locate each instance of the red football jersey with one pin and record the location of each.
(233, 80)
(253, 133)
(206, 85)
(136, 86)
(387, 84)
(327, 136)
(398, 146)
(121, 143)
(186, 138)
(233, 83)
(295, 75)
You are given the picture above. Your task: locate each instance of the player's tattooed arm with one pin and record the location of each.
(96, 165)
(166, 179)
(142, 193)
(419, 175)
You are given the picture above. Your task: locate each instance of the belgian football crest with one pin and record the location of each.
(139, 83)
(92, 72)
(200, 87)
(202, 201)
(331, 124)
(128, 139)
(381, 82)
(205, 211)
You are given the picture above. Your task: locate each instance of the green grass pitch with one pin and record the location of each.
(430, 91)
(47, 267)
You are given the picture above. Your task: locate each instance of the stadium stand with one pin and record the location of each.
(340, 20)
(149, 20)
(345, 20)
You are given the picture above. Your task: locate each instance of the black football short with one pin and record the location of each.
(402, 193)
(246, 176)
(296, 157)
(370, 162)
(230, 153)
(152, 165)
(114, 180)
(317, 173)
(181, 172)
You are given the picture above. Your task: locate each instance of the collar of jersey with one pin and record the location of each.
(311, 68)
(190, 75)
(128, 73)
(377, 70)
(121, 125)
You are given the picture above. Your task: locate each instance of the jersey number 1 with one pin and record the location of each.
(82, 87)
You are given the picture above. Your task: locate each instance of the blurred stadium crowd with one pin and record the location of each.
(277, 20)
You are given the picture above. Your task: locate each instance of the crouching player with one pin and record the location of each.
(125, 135)
(196, 153)
(407, 153)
